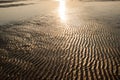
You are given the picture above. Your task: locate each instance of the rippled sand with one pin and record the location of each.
(81, 43)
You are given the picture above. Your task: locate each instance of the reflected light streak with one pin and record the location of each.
(62, 10)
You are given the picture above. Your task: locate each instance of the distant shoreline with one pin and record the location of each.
(10, 1)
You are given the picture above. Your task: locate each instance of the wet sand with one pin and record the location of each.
(81, 43)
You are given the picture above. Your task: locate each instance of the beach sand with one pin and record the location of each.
(49, 40)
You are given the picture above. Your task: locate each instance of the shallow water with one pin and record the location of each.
(22, 10)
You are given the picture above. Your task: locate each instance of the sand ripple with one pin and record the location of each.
(51, 50)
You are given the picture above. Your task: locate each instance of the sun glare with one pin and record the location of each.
(62, 10)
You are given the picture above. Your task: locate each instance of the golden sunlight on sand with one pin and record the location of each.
(62, 10)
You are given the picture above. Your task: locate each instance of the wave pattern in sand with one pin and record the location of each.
(86, 51)
(47, 49)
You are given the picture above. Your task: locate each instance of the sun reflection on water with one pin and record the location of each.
(62, 10)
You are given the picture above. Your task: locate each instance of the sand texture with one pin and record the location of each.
(84, 46)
